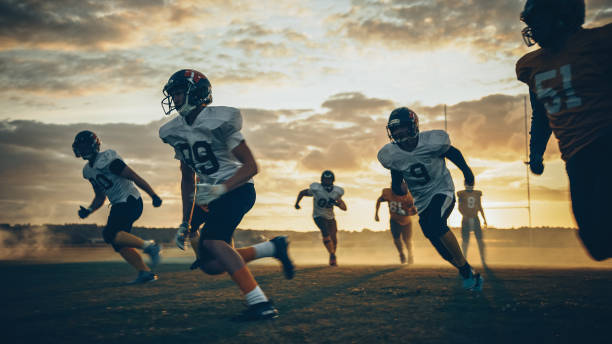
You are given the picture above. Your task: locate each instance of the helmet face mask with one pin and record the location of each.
(549, 22)
(327, 180)
(86, 145)
(403, 127)
(185, 91)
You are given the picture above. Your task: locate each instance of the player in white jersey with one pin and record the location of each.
(208, 143)
(419, 159)
(325, 196)
(111, 178)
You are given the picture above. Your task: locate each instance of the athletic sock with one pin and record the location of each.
(264, 249)
(255, 296)
(465, 271)
(244, 279)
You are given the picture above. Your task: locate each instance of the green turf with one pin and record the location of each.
(88, 302)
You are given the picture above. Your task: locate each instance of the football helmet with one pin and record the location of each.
(402, 118)
(550, 20)
(193, 85)
(327, 180)
(86, 144)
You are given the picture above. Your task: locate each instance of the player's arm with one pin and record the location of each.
(482, 213)
(120, 168)
(187, 190)
(243, 153)
(95, 204)
(378, 202)
(455, 156)
(305, 192)
(539, 134)
(340, 204)
(396, 183)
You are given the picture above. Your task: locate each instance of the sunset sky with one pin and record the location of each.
(315, 81)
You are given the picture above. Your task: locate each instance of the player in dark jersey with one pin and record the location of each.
(571, 96)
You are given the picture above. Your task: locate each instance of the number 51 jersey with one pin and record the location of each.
(206, 145)
(424, 169)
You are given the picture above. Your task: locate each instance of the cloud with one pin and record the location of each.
(490, 28)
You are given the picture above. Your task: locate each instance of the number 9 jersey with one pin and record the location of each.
(424, 168)
(115, 187)
(206, 145)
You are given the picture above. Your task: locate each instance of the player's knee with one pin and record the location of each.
(326, 240)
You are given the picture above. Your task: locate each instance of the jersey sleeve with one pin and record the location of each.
(340, 191)
(106, 159)
(313, 187)
(438, 142)
(229, 130)
(384, 157)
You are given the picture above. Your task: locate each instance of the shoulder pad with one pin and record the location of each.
(384, 155)
(339, 189)
(105, 158)
(167, 130)
(315, 186)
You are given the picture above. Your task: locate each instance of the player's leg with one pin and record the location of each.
(327, 241)
(590, 189)
(433, 222)
(332, 227)
(480, 241)
(396, 231)
(465, 235)
(217, 254)
(407, 237)
(278, 248)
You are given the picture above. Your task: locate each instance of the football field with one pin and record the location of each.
(88, 302)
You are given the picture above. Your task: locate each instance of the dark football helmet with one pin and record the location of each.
(549, 21)
(327, 180)
(86, 144)
(402, 118)
(194, 86)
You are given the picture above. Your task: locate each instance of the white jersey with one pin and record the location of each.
(323, 201)
(424, 169)
(115, 187)
(206, 145)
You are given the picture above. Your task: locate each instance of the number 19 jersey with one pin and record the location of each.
(206, 145)
(424, 168)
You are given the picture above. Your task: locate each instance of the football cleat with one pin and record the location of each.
(281, 252)
(144, 277)
(402, 258)
(473, 283)
(332, 260)
(259, 311)
(410, 260)
(154, 252)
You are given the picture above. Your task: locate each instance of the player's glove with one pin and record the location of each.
(84, 212)
(156, 201)
(536, 164)
(207, 193)
(297, 206)
(181, 234)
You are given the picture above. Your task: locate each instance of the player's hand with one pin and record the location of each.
(84, 212)
(156, 201)
(297, 206)
(181, 234)
(333, 202)
(536, 164)
(468, 179)
(376, 218)
(206, 193)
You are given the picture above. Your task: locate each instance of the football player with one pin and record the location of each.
(419, 158)
(571, 96)
(208, 144)
(401, 207)
(111, 178)
(470, 204)
(325, 196)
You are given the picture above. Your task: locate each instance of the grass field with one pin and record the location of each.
(88, 302)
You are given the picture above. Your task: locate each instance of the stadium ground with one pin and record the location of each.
(88, 303)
